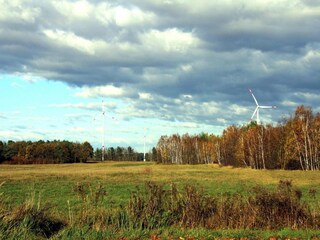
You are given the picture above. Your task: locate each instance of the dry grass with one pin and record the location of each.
(120, 172)
(122, 177)
(116, 180)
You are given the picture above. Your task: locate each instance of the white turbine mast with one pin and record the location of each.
(145, 140)
(256, 111)
(103, 115)
(103, 130)
(144, 145)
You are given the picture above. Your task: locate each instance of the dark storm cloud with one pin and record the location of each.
(212, 51)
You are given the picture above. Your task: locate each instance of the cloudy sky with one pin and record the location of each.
(160, 66)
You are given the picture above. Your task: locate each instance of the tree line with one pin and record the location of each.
(120, 154)
(41, 152)
(27, 152)
(293, 143)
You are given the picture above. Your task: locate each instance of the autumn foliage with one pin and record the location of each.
(22, 152)
(292, 144)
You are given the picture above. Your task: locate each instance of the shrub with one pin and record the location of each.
(281, 208)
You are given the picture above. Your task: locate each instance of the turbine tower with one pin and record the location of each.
(144, 145)
(103, 115)
(256, 111)
(103, 131)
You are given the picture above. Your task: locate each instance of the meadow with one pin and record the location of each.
(78, 197)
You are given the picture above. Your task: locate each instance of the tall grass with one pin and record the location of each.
(282, 208)
(94, 212)
(28, 218)
(99, 202)
(192, 208)
(160, 206)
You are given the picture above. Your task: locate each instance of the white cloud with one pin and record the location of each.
(21, 135)
(77, 9)
(169, 40)
(308, 96)
(29, 77)
(103, 13)
(145, 96)
(86, 106)
(188, 125)
(187, 96)
(123, 16)
(238, 109)
(208, 108)
(70, 39)
(222, 120)
(101, 91)
(186, 67)
(166, 59)
(288, 103)
(126, 17)
(18, 10)
(312, 55)
(158, 76)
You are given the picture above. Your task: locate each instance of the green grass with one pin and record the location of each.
(188, 234)
(53, 185)
(55, 182)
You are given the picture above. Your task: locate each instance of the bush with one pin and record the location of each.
(266, 209)
(281, 208)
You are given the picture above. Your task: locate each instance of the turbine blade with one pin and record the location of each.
(254, 113)
(268, 106)
(254, 97)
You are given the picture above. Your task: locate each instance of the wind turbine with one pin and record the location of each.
(256, 111)
(144, 145)
(103, 130)
(103, 114)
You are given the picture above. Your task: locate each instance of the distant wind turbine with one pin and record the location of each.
(256, 111)
(103, 129)
(103, 114)
(144, 145)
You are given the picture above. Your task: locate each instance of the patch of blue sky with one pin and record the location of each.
(48, 110)
(25, 106)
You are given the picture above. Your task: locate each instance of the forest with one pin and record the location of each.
(294, 143)
(41, 152)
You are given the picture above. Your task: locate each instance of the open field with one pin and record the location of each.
(54, 185)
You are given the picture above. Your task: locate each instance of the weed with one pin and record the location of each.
(281, 208)
(149, 212)
(90, 194)
(93, 211)
(225, 207)
(30, 217)
(266, 209)
(198, 208)
(90, 212)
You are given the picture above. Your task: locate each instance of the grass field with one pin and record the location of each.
(54, 185)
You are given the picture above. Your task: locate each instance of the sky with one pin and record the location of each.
(159, 66)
